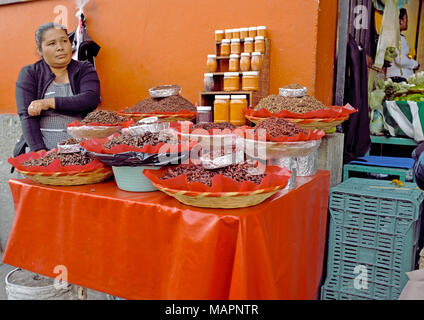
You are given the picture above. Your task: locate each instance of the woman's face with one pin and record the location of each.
(56, 49)
(404, 23)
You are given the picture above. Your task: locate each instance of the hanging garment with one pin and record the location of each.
(357, 128)
(83, 46)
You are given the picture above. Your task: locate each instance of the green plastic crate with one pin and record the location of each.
(376, 225)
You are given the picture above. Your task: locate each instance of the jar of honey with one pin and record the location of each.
(248, 45)
(228, 33)
(231, 81)
(245, 61)
(261, 31)
(211, 63)
(234, 64)
(219, 35)
(236, 33)
(260, 44)
(244, 33)
(237, 104)
(235, 46)
(250, 81)
(253, 32)
(256, 61)
(221, 106)
(225, 47)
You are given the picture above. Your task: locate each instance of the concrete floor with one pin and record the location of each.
(5, 269)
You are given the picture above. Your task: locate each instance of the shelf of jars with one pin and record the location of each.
(237, 73)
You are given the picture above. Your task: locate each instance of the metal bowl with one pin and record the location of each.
(293, 93)
(165, 91)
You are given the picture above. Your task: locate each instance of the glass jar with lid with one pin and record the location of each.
(245, 61)
(221, 106)
(260, 44)
(204, 114)
(237, 105)
(235, 46)
(250, 81)
(219, 35)
(253, 32)
(225, 47)
(228, 34)
(248, 45)
(244, 33)
(211, 63)
(261, 31)
(208, 82)
(234, 64)
(231, 81)
(236, 33)
(256, 61)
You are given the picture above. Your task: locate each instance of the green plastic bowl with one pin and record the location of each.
(133, 179)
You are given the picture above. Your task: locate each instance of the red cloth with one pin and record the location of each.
(150, 246)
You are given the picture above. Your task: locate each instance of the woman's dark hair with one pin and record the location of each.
(45, 27)
(402, 13)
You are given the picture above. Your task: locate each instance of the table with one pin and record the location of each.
(150, 246)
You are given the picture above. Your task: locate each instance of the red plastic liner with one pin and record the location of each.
(331, 112)
(53, 167)
(97, 145)
(276, 176)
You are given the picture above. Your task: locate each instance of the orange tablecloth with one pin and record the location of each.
(150, 246)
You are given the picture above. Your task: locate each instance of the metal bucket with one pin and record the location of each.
(291, 164)
(308, 165)
(49, 292)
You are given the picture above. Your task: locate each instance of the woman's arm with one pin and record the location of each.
(26, 92)
(402, 59)
(88, 98)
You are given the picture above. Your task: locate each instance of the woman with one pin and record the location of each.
(402, 67)
(54, 91)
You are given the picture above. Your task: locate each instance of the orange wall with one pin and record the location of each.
(150, 42)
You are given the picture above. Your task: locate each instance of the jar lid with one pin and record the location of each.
(245, 54)
(222, 97)
(256, 54)
(244, 29)
(226, 40)
(235, 40)
(219, 31)
(204, 108)
(228, 30)
(261, 28)
(248, 39)
(253, 28)
(260, 38)
(236, 30)
(231, 74)
(208, 74)
(212, 56)
(238, 97)
(234, 56)
(251, 73)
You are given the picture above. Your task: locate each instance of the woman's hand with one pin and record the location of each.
(36, 106)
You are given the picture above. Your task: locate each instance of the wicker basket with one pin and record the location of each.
(136, 116)
(228, 200)
(70, 178)
(327, 125)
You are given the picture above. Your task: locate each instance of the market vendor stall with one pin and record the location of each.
(150, 246)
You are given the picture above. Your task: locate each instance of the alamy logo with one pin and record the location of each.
(361, 17)
(361, 280)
